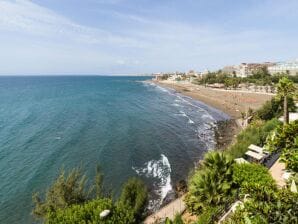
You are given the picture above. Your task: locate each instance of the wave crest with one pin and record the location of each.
(160, 170)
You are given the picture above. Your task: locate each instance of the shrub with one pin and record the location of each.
(274, 108)
(285, 139)
(69, 201)
(210, 214)
(89, 212)
(272, 207)
(134, 197)
(256, 133)
(177, 220)
(252, 173)
(65, 191)
(249, 174)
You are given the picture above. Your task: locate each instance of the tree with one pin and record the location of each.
(285, 89)
(228, 83)
(68, 200)
(134, 195)
(285, 139)
(66, 190)
(213, 184)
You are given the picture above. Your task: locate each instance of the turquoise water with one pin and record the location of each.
(129, 127)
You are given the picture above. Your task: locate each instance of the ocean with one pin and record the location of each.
(129, 127)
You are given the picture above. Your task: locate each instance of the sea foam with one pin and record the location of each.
(160, 170)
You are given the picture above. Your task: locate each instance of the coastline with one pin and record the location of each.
(232, 103)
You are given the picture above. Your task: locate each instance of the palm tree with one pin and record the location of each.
(213, 184)
(285, 89)
(218, 162)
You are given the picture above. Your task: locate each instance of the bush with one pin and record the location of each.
(285, 139)
(274, 108)
(89, 212)
(249, 174)
(210, 214)
(65, 191)
(177, 220)
(134, 197)
(68, 200)
(256, 133)
(272, 207)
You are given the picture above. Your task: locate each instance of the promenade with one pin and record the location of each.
(170, 210)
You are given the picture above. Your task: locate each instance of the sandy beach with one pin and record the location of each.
(229, 101)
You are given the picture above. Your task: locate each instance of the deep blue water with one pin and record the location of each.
(130, 128)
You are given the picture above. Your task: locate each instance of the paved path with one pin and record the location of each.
(170, 210)
(277, 171)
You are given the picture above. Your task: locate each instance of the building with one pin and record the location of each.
(246, 69)
(230, 70)
(192, 73)
(157, 76)
(290, 68)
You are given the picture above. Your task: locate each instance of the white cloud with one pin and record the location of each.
(30, 33)
(25, 16)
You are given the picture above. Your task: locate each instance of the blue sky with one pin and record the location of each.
(142, 36)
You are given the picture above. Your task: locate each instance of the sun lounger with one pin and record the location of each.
(257, 156)
(257, 149)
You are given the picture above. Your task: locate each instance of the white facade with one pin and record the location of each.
(290, 68)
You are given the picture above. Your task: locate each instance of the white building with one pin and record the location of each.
(290, 68)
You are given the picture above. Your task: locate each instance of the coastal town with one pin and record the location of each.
(242, 71)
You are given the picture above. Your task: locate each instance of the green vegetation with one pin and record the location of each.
(89, 212)
(177, 220)
(249, 175)
(212, 185)
(69, 200)
(64, 192)
(256, 133)
(282, 103)
(218, 182)
(219, 77)
(134, 197)
(274, 108)
(260, 77)
(285, 140)
(268, 206)
(285, 89)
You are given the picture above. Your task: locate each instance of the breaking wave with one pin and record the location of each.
(160, 172)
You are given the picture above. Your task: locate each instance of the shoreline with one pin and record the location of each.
(226, 129)
(225, 132)
(232, 103)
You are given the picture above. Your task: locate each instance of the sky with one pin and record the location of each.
(106, 37)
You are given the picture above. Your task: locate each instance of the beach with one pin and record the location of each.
(232, 102)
